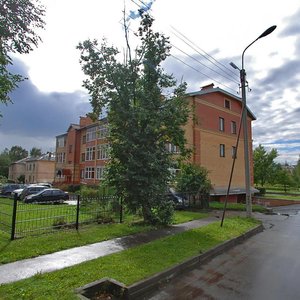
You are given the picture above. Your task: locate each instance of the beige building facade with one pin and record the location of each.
(35, 169)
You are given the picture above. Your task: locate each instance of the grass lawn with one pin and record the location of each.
(33, 246)
(281, 197)
(236, 206)
(130, 265)
(280, 189)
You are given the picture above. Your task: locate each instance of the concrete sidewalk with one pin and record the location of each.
(51, 262)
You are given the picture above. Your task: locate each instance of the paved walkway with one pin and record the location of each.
(47, 263)
(264, 267)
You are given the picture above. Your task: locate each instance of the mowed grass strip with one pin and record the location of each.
(281, 197)
(130, 265)
(236, 206)
(33, 246)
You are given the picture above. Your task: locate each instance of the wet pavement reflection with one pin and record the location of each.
(266, 266)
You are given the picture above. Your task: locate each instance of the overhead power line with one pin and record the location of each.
(207, 56)
(198, 71)
(226, 73)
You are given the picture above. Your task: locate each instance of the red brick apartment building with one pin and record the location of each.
(81, 153)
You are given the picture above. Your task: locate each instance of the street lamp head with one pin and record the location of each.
(234, 65)
(268, 31)
(265, 33)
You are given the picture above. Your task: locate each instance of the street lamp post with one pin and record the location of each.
(245, 125)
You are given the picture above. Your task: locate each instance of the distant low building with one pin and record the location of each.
(34, 169)
(17, 169)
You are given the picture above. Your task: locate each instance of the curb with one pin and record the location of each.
(140, 289)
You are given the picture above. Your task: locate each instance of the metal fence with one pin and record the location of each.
(19, 219)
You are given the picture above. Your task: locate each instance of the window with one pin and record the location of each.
(57, 193)
(47, 193)
(89, 173)
(102, 132)
(227, 103)
(172, 148)
(83, 156)
(233, 152)
(70, 148)
(60, 142)
(222, 150)
(61, 157)
(233, 127)
(90, 153)
(82, 174)
(100, 172)
(221, 124)
(84, 139)
(91, 134)
(102, 151)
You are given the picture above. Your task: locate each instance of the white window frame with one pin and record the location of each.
(91, 134)
(90, 153)
(61, 157)
(61, 142)
(102, 132)
(103, 151)
(172, 148)
(100, 172)
(89, 173)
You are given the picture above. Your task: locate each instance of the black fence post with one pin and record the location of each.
(14, 218)
(77, 212)
(121, 210)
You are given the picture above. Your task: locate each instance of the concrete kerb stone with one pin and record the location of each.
(144, 287)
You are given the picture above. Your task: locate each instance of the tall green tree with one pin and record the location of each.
(146, 111)
(35, 152)
(5, 161)
(264, 165)
(17, 152)
(283, 177)
(19, 21)
(296, 175)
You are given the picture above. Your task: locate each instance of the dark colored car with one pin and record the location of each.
(31, 189)
(8, 188)
(47, 195)
(179, 200)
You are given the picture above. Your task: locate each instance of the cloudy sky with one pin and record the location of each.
(206, 36)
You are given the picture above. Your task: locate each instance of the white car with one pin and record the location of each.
(17, 193)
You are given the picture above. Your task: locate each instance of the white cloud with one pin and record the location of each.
(221, 28)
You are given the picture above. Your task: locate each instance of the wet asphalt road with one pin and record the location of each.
(267, 266)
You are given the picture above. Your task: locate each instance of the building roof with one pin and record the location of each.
(210, 89)
(44, 157)
(21, 161)
(222, 191)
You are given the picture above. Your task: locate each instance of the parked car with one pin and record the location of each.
(47, 184)
(8, 188)
(17, 193)
(179, 200)
(31, 189)
(47, 195)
